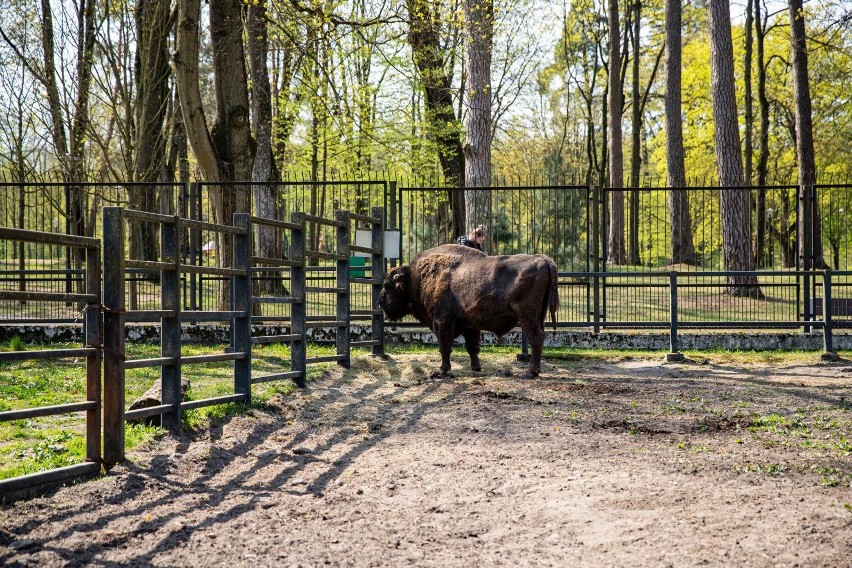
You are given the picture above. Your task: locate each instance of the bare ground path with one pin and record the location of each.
(595, 463)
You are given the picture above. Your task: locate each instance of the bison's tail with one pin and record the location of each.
(553, 299)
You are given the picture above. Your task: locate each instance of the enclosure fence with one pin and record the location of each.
(105, 321)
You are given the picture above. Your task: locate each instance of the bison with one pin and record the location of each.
(457, 290)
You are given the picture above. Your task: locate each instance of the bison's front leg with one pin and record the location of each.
(471, 343)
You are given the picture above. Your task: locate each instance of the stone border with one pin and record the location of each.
(582, 339)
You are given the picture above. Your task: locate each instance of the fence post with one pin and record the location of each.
(377, 271)
(596, 258)
(194, 238)
(298, 311)
(805, 255)
(113, 301)
(343, 320)
(674, 355)
(828, 343)
(170, 375)
(241, 295)
(93, 362)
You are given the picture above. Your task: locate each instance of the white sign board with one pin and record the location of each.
(393, 242)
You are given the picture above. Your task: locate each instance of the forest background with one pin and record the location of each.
(458, 92)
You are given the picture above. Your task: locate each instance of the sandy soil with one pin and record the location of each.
(622, 463)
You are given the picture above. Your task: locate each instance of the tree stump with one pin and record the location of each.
(154, 397)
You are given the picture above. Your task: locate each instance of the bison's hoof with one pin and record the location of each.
(476, 369)
(531, 374)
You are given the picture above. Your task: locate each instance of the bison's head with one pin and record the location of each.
(394, 298)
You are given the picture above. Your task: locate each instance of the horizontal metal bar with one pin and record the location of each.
(25, 235)
(275, 223)
(320, 323)
(691, 273)
(357, 248)
(270, 318)
(48, 354)
(276, 300)
(326, 359)
(325, 255)
(368, 343)
(196, 316)
(366, 312)
(213, 270)
(321, 220)
(372, 281)
(326, 290)
(153, 362)
(149, 411)
(194, 224)
(24, 413)
(212, 401)
(136, 316)
(150, 265)
(148, 216)
(48, 297)
(277, 377)
(212, 358)
(22, 482)
(274, 261)
(267, 339)
(364, 218)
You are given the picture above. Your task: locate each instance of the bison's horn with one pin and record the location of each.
(397, 277)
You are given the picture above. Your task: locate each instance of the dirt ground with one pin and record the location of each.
(626, 462)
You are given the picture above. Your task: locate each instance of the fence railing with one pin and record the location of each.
(88, 303)
(105, 320)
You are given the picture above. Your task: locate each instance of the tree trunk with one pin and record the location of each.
(733, 199)
(478, 40)
(615, 248)
(805, 141)
(762, 255)
(265, 172)
(749, 112)
(635, 141)
(442, 124)
(150, 109)
(683, 250)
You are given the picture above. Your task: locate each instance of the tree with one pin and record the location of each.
(616, 250)
(733, 199)
(683, 250)
(478, 41)
(152, 72)
(805, 141)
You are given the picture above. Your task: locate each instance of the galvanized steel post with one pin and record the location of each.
(343, 320)
(170, 374)
(113, 390)
(241, 299)
(377, 271)
(298, 313)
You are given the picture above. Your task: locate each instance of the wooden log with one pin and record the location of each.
(154, 397)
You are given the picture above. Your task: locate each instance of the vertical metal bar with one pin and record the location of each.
(170, 375)
(241, 297)
(343, 332)
(93, 362)
(596, 258)
(674, 355)
(391, 221)
(113, 251)
(193, 247)
(827, 330)
(298, 349)
(806, 236)
(377, 272)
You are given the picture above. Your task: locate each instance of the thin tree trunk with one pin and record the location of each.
(479, 34)
(683, 251)
(733, 199)
(805, 139)
(616, 250)
(635, 141)
(762, 256)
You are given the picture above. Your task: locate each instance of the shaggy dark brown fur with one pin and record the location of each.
(459, 291)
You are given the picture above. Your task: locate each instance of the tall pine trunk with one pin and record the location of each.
(683, 250)
(615, 248)
(734, 201)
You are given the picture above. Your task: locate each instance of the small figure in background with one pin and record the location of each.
(474, 239)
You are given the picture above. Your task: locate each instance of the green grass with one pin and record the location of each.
(28, 446)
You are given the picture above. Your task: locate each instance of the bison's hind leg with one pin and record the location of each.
(471, 343)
